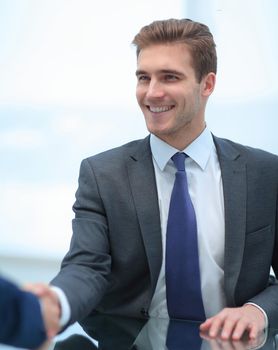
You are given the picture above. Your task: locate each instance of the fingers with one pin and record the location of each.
(232, 323)
(217, 343)
(233, 328)
(220, 344)
(39, 289)
(51, 314)
(50, 306)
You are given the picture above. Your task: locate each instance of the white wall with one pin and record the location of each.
(67, 91)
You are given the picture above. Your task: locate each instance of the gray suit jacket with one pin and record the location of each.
(116, 251)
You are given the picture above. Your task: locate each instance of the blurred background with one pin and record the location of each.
(67, 91)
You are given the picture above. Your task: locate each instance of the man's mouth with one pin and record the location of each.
(159, 109)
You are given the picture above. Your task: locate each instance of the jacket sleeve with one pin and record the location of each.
(268, 298)
(21, 322)
(84, 270)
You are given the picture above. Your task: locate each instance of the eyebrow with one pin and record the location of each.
(139, 72)
(162, 71)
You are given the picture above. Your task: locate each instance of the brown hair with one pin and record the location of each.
(196, 35)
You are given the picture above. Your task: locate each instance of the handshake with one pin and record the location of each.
(50, 307)
(28, 316)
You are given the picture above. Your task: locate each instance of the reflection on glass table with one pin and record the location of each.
(107, 332)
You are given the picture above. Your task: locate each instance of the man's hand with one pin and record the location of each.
(242, 344)
(50, 306)
(231, 323)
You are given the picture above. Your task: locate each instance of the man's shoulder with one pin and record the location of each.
(224, 145)
(135, 148)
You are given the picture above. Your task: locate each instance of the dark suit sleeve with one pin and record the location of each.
(83, 275)
(250, 186)
(268, 298)
(21, 322)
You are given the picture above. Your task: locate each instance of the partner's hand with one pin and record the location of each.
(50, 306)
(51, 314)
(231, 323)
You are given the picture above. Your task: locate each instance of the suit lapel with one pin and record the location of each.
(144, 191)
(233, 169)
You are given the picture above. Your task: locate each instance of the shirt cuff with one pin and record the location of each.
(65, 307)
(262, 310)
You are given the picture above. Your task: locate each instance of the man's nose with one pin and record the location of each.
(155, 89)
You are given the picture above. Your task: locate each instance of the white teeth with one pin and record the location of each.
(160, 109)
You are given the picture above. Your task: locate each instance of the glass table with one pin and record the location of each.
(108, 332)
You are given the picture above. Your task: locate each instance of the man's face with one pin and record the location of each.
(168, 93)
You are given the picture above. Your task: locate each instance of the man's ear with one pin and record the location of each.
(208, 84)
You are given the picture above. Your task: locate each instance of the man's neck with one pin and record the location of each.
(181, 140)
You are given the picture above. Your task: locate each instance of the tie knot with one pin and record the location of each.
(179, 159)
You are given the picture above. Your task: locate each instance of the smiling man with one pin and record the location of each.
(169, 94)
(182, 223)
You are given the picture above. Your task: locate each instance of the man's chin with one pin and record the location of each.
(162, 135)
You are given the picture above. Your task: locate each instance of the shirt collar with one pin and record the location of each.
(199, 150)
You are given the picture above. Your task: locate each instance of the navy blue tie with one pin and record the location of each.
(183, 335)
(183, 286)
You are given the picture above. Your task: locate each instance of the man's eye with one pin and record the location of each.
(170, 77)
(142, 78)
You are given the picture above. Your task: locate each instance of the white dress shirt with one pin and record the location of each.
(206, 192)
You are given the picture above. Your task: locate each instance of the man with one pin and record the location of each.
(116, 262)
(26, 321)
